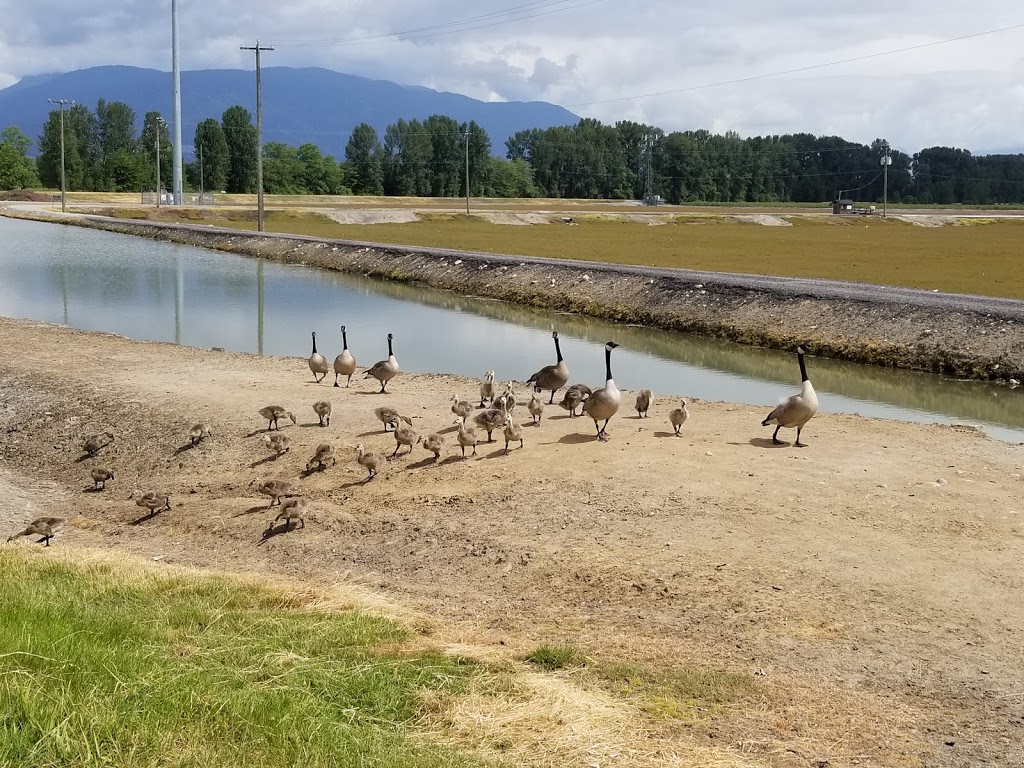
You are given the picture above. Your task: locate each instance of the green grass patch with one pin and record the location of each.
(111, 666)
(552, 656)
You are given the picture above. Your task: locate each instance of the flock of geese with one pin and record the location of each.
(599, 405)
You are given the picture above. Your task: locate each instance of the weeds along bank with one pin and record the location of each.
(966, 336)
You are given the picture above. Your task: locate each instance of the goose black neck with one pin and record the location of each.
(558, 349)
(607, 364)
(390, 350)
(344, 340)
(314, 343)
(803, 368)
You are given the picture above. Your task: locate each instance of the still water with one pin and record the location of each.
(161, 291)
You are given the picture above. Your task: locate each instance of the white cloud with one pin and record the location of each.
(967, 93)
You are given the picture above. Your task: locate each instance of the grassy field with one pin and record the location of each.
(980, 256)
(104, 665)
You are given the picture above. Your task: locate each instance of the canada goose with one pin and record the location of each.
(604, 402)
(275, 489)
(94, 443)
(552, 377)
(535, 407)
(368, 459)
(324, 453)
(41, 526)
(318, 363)
(385, 370)
(467, 437)
(678, 417)
(643, 402)
(199, 432)
(322, 408)
(488, 389)
(513, 432)
(506, 401)
(100, 475)
(404, 436)
(490, 420)
(154, 502)
(461, 408)
(574, 397)
(274, 412)
(278, 443)
(292, 510)
(433, 443)
(796, 410)
(344, 364)
(391, 417)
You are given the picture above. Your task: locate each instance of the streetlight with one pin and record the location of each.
(159, 122)
(63, 186)
(885, 162)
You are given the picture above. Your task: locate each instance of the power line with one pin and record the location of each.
(807, 68)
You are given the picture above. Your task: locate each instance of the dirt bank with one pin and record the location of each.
(966, 336)
(869, 586)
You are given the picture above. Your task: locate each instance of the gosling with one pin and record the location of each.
(678, 417)
(643, 402)
(198, 433)
(433, 443)
(274, 412)
(94, 443)
(368, 459)
(536, 408)
(390, 417)
(513, 432)
(467, 437)
(322, 408)
(488, 389)
(324, 453)
(100, 475)
(275, 489)
(404, 436)
(154, 502)
(490, 420)
(292, 510)
(278, 444)
(41, 526)
(461, 408)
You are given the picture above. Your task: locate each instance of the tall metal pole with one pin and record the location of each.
(202, 189)
(467, 170)
(177, 183)
(63, 185)
(886, 162)
(259, 133)
(158, 123)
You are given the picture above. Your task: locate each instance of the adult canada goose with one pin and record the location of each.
(404, 436)
(604, 402)
(278, 443)
(274, 412)
(467, 437)
(385, 370)
(488, 389)
(391, 417)
(322, 408)
(199, 432)
(461, 408)
(368, 459)
(678, 417)
(154, 502)
(345, 363)
(100, 475)
(513, 432)
(574, 397)
(292, 510)
(643, 402)
(490, 420)
(275, 489)
(94, 443)
(796, 410)
(552, 377)
(433, 443)
(535, 407)
(41, 526)
(324, 453)
(318, 363)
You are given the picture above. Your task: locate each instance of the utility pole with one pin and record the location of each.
(63, 186)
(259, 133)
(885, 162)
(201, 186)
(176, 183)
(467, 170)
(159, 122)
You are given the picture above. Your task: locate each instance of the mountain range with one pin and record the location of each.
(312, 104)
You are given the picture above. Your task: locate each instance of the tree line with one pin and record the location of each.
(429, 158)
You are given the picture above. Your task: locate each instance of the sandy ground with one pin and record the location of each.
(870, 583)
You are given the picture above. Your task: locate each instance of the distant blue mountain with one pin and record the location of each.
(299, 105)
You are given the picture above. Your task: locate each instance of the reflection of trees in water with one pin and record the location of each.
(978, 401)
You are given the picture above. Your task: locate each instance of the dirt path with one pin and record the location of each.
(870, 584)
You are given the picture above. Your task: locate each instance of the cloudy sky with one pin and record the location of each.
(598, 57)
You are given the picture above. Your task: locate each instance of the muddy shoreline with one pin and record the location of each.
(964, 336)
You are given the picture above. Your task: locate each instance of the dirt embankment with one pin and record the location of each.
(967, 336)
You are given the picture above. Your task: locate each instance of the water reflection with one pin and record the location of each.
(101, 281)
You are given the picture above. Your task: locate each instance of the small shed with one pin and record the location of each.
(843, 206)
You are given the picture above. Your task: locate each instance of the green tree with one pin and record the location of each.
(240, 134)
(363, 157)
(48, 161)
(447, 155)
(407, 158)
(152, 125)
(211, 144)
(509, 178)
(282, 171)
(17, 169)
(479, 159)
